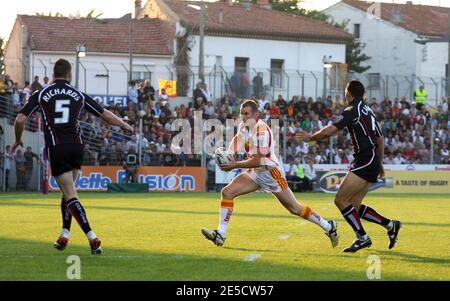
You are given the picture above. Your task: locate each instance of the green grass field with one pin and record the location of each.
(156, 236)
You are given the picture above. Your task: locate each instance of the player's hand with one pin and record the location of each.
(14, 146)
(227, 167)
(303, 136)
(128, 128)
(382, 171)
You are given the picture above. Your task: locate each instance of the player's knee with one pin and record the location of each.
(227, 193)
(339, 200)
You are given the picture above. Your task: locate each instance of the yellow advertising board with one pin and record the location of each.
(416, 181)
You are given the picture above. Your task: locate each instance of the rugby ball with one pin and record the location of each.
(222, 156)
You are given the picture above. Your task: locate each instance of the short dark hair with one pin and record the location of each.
(62, 68)
(356, 88)
(250, 103)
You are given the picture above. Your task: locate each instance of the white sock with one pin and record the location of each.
(389, 226)
(226, 210)
(64, 233)
(315, 218)
(91, 235)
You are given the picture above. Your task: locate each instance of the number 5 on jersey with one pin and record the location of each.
(62, 106)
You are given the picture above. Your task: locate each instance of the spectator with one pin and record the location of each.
(163, 98)
(274, 111)
(156, 111)
(245, 83)
(46, 82)
(235, 82)
(141, 96)
(257, 82)
(2, 85)
(310, 173)
(281, 104)
(132, 144)
(199, 98)
(209, 110)
(399, 159)
(205, 92)
(149, 92)
(16, 96)
(29, 155)
(8, 163)
(9, 86)
(90, 156)
(262, 103)
(294, 181)
(160, 146)
(35, 86)
(20, 170)
(420, 97)
(133, 94)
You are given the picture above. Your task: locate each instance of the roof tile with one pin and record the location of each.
(99, 35)
(236, 19)
(422, 19)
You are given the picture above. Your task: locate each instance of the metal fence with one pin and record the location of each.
(315, 84)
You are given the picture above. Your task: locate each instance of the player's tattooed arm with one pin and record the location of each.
(324, 133)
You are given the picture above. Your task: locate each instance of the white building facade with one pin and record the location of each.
(391, 34)
(287, 51)
(37, 42)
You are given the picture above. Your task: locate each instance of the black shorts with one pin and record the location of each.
(367, 166)
(65, 157)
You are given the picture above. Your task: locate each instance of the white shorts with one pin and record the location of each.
(272, 180)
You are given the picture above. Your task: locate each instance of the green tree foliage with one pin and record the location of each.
(90, 14)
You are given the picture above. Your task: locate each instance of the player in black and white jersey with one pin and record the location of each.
(368, 147)
(61, 105)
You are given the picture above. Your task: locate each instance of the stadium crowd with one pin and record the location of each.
(407, 130)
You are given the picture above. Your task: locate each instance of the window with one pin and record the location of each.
(139, 76)
(219, 61)
(276, 71)
(241, 64)
(357, 30)
(374, 81)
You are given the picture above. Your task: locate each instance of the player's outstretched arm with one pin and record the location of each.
(253, 162)
(112, 119)
(324, 133)
(19, 125)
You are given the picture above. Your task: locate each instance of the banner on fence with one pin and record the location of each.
(170, 86)
(398, 179)
(158, 179)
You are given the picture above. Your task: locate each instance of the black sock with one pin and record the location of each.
(66, 216)
(369, 214)
(351, 216)
(77, 211)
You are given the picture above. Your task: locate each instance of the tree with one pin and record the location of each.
(90, 14)
(354, 55)
(49, 14)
